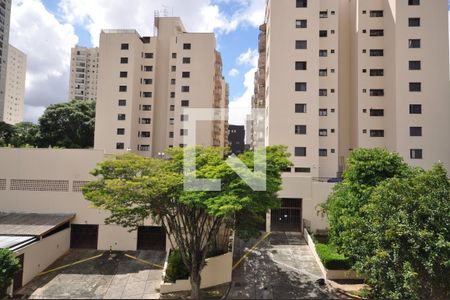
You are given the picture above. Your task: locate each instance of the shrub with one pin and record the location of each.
(9, 266)
(176, 269)
(331, 259)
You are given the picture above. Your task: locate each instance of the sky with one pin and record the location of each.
(46, 30)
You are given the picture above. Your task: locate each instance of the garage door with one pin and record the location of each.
(288, 217)
(151, 238)
(84, 236)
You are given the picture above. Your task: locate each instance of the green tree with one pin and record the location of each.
(9, 266)
(25, 134)
(68, 125)
(6, 132)
(134, 188)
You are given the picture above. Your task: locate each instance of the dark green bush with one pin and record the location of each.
(176, 269)
(9, 266)
(331, 259)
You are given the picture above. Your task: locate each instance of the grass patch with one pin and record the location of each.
(331, 259)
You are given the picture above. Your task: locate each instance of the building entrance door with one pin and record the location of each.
(288, 217)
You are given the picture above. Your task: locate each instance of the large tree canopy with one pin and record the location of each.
(134, 188)
(393, 221)
(68, 125)
(6, 132)
(25, 134)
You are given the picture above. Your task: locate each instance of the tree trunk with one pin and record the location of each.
(195, 283)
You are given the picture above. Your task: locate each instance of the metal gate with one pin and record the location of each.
(151, 238)
(288, 217)
(84, 236)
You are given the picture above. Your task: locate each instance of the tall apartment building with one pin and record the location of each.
(146, 82)
(83, 73)
(14, 103)
(5, 14)
(339, 75)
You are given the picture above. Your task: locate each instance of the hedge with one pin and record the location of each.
(176, 269)
(331, 259)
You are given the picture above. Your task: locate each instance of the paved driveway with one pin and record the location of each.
(102, 278)
(281, 267)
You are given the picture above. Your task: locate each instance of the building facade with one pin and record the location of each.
(5, 14)
(340, 75)
(146, 82)
(84, 66)
(236, 139)
(14, 103)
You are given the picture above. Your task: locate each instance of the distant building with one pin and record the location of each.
(248, 131)
(236, 138)
(15, 86)
(5, 13)
(83, 74)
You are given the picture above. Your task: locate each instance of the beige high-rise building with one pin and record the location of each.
(146, 82)
(13, 109)
(5, 14)
(339, 75)
(84, 73)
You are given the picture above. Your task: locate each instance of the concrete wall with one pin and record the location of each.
(40, 255)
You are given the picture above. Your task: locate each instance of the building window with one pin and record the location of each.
(146, 107)
(377, 112)
(171, 135)
(125, 46)
(122, 102)
(172, 95)
(146, 121)
(185, 89)
(302, 170)
(376, 52)
(300, 129)
(377, 133)
(300, 86)
(148, 68)
(120, 131)
(300, 151)
(416, 154)
(124, 60)
(377, 92)
(173, 81)
(415, 131)
(301, 3)
(187, 46)
(184, 103)
(376, 13)
(301, 24)
(186, 60)
(144, 134)
(173, 68)
(300, 65)
(184, 118)
(414, 22)
(376, 72)
(174, 55)
(415, 65)
(123, 74)
(323, 14)
(148, 81)
(121, 117)
(123, 88)
(120, 146)
(323, 53)
(172, 108)
(144, 148)
(323, 72)
(300, 108)
(148, 55)
(415, 87)
(413, 2)
(147, 94)
(376, 32)
(323, 152)
(186, 74)
(415, 109)
(301, 44)
(323, 33)
(183, 132)
(323, 92)
(323, 132)
(323, 112)
(414, 43)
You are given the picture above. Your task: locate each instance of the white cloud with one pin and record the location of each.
(248, 58)
(234, 72)
(47, 43)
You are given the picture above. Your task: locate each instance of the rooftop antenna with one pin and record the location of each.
(156, 21)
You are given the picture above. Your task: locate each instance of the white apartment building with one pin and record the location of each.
(146, 82)
(339, 75)
(14, 103)
(83, 73)
(5, 14)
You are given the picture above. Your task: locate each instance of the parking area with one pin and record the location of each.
(281, 267)
(116, 276)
